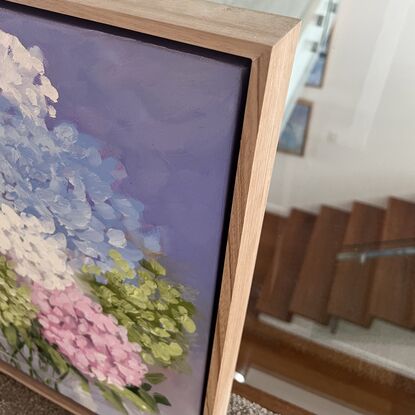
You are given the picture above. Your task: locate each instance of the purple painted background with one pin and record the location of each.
(171, 116)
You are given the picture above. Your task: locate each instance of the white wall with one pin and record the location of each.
(361, 143)
(361, 147)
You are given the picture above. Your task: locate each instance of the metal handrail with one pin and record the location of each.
(362, 257)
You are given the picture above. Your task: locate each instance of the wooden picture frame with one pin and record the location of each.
(300, 149)
(269, 41)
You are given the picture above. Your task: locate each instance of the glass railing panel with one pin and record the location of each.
(377, 250)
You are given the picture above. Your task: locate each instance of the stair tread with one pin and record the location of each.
(311, 294)
(288, 257)
(349, 298)
(394, 284)
(271, 234)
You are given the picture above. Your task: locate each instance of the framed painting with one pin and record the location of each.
(317, 74)
(136, 148)
(294, 136)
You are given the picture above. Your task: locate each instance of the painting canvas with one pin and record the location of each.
(293, 137)
(117, 158)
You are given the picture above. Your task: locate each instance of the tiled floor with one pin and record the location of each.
(16, 399)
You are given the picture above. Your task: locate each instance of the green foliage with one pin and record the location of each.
(155, 378)
(153, 310)
(20, 328)
(17, 313)
(142, 398)
(161, 400)
(50, 356)
(112, 398)
(16, 310)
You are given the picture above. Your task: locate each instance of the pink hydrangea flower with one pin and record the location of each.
(92, 341)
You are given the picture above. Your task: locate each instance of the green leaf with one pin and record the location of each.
(85, 385)
(145, 274)
(148, 399)
(115, 255)
(91, 269)
(161, 399)
(148, 358)
(188, 324)
(153, 266)
(155, 378)
(146, 386)
(58, 360)
(175, 349)
(168, 323)
(113, 398)
(161, 351)
(11, 335)
(136, 400)
(189, 306)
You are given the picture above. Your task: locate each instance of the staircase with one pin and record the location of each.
(356, 266)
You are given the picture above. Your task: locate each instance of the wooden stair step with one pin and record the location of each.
(350, 380)
(392, 297)
(312, 292)
(278, 289)
(271, 235)
(350, 294)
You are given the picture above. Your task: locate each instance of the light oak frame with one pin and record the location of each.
(269, 41)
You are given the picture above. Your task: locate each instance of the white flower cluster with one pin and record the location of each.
(60, 175)
(36, 251)
(23, 81)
